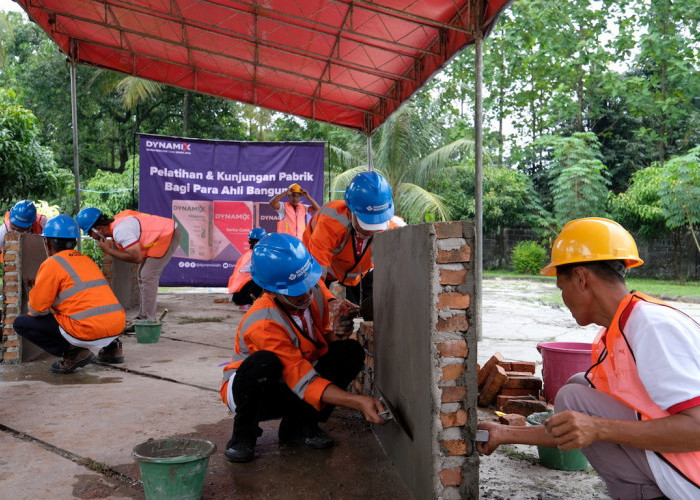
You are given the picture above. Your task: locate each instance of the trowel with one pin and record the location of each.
(392, 413)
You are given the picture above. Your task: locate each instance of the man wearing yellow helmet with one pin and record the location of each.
(635, 413)
(292, 214)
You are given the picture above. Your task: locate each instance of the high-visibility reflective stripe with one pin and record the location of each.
(79, 287)
(34, 312)
(95, 311)
(341, 219)
(300, 388)
(78, 284)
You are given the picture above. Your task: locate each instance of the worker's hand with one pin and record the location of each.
(304, 193)
(371, 407)
(104, 245)
(343, 312)
(571, 429)
(494, 441)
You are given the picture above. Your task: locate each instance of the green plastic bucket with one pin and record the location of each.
(147, 331)
(554, 458)
(173, 469)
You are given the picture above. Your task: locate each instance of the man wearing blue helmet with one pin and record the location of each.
(21, 218)
(241, 288)
(339, 235)
(72, 309)
(289, 360)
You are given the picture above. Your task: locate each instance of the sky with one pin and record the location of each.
(10, 5)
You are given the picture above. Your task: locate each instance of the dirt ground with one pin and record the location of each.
(517, 314)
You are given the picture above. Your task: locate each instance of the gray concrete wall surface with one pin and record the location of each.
(403, 308)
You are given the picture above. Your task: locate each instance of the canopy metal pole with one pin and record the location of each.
(74, 113)
(478, 17)
(370, 161)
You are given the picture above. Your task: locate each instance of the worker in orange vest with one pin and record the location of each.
(241, 287)
(292, 214)
(72, 309)
(21, 218)
(340, 234)
(635, 414)
(290, 360)
(144, 239)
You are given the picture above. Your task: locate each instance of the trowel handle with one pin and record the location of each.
(165, 311)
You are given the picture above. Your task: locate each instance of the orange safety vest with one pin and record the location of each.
(294, 221)
(329, 237)
(614, 372)
(37, 228)
(268, 327)
(241, 273)
(156, 232)
(70, 285)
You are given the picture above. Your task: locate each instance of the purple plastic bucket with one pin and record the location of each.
(561, 360)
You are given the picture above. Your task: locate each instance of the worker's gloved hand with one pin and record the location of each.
(342, 314)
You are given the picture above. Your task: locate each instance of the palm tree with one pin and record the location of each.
(407, 151)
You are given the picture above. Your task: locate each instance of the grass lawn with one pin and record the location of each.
(665, 288)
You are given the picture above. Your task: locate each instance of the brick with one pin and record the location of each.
(485, 371)
(12, 343)
(454, 447)
(455, 323)
(453, 348)
(455, 394)
(11, 268)
(10, 257)
(451, 477)
(12, 288)
(523, 383)
(461, 254)
(452, 372)
(448, 230)
(10, 300)
(507, 365)
(502, 400)
(513, 419)
(521, 392)
(518, 374)
(524, 407)
(10, 355)
(492, 386)
(453, 300)
(456, 419)
(453, 277)
(523, 366)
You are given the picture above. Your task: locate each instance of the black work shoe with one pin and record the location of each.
(112, 353)
(73, 358)
(308, 435)
(240, 449)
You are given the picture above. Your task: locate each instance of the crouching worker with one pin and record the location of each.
(72, 309)
(241, 287)
(289, 362)
(635, 414)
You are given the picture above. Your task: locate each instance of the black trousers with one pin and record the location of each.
(247, 294)
(42, 331)
(260, 393)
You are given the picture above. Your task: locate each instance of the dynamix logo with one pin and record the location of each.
(169, 146)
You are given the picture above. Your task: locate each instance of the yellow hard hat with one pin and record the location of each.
(592, 239)
(295, 188)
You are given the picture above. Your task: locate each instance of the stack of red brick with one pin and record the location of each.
(511, 386)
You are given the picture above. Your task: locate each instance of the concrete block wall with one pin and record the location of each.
(425, 355)
(12, 292)
(123, 279)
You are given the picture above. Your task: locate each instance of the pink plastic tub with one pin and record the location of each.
(561, 360)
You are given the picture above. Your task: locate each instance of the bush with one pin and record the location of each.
(528, 257)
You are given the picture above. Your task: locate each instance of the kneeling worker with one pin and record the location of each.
(72, 309)
(241, 287)
(635, 413)
(289, 362)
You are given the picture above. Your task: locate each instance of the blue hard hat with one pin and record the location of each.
(282, 264)
(257, 233)
(368, 196)
(23, 214)
(87, 217)
(62, 226)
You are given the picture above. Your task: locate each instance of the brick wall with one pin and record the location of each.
(12, 292)
(454, 372)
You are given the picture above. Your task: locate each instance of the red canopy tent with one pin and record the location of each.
(346, 62)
